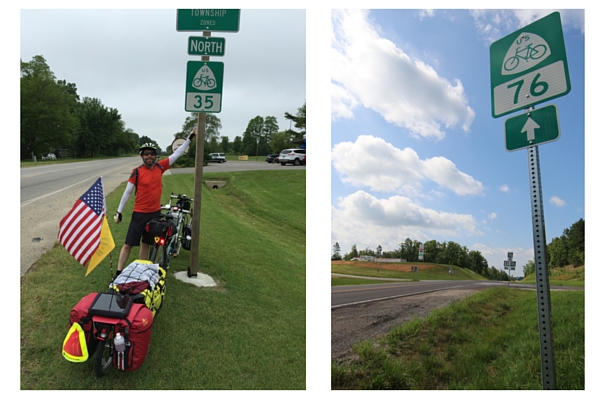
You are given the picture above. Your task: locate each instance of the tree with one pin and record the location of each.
(99, 127)
(225, 144)
(255, 138)
(576, 242)
(529, 268)
(237, 145)
(379, 251)
(47, 109)
(299, 121)
(336, 252)
(213, 126)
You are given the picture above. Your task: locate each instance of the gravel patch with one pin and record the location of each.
(354, 324)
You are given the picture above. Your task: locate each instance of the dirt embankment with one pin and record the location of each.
(354, 324)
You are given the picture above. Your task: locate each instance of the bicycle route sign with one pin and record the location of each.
(204, 86)
(532, 128)
(529, 66)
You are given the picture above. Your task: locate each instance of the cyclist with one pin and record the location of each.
(147, 181)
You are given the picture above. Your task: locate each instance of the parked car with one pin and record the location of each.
(292, 156)
(271, 158)
(217, 157)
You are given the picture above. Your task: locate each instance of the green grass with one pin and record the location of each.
(249, 333)
(488, 341)
(342, 281)
(566, 276)
(439, 272)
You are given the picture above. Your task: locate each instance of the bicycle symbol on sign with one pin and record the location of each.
(527, 53)
(204, 80)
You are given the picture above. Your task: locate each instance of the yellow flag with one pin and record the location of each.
(106, 245)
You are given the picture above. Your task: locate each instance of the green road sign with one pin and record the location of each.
(206, 46)
(529, 66)
(532, 128)
(204, 86)
(215, 20)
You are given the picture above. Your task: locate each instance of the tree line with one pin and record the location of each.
(450, 253)
(53, 116)
(568, 249)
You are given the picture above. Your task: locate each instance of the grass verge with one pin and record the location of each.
(403, 271)
(342, 281)
(488, 341)
(249, 333)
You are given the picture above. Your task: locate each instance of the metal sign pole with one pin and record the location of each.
(541, 271)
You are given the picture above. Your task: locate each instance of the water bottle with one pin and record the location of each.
(119, 343)
(120, 349)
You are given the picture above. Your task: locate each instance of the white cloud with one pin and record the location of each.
(492, 216)
(426, 13)
(495, 24)
(373, 163)
(504, 188)
(495, 256)
(375, 73)
(364, 220)
(557, 201)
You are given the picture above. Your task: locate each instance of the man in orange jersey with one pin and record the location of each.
(147, 182)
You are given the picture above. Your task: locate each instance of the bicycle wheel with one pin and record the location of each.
(104, 354)
(538, 51)
(511, 63)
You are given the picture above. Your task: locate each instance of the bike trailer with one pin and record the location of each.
(144, 278)
(132, 320)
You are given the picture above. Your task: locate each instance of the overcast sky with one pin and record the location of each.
(135, 61)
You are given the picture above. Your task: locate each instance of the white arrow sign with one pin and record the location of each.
(530, 127)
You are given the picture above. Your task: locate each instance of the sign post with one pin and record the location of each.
(204, 88)
(529, 67)
(510, 265)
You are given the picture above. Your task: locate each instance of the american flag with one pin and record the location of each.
(80, 229)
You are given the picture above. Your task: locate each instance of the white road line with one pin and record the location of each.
(68, 187)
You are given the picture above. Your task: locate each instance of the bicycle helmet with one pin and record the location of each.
(147, 146)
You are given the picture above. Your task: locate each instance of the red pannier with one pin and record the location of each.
(137, 329)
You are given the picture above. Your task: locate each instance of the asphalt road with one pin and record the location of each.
(356, 294)
(49, 191)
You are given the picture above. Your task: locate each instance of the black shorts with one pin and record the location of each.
(137, 228)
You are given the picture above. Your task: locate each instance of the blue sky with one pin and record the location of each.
(416, 152)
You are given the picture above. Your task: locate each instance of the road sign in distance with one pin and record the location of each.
(204, 86)
(529, 66)
(215, 20)
(206, 46)
(532, 128)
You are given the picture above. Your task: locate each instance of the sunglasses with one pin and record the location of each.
(149, 153)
